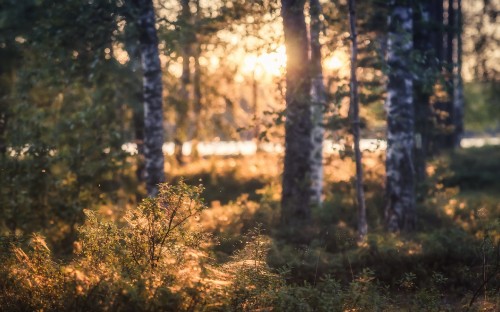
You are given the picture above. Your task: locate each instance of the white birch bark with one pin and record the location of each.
(152, 97)
(318, 102)
(400, 206)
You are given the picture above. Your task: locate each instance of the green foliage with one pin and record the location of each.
(64, 106)
(474, 169)
(430, 298)
(481, 109)
(255, 286)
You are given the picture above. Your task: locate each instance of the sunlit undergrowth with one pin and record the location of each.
(456, 236)
(176, 253)
(226, 178)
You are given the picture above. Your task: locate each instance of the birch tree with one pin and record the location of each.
(152, 96)
(318, 101)
(297, 172)
(400, 206)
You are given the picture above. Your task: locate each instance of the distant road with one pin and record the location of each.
(234, 148)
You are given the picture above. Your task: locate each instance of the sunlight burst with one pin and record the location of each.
(265, 65)
(334, 62)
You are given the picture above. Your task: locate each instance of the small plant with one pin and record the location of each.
(407, 282)
(158, 227)
(364, 294)
(253, 285)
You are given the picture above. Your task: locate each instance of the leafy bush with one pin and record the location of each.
(130, 266)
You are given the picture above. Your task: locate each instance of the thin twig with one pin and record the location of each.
(487, 280)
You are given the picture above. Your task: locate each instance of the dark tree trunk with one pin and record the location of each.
(437, 36)
(183, 107)
(152, 96)
(255, 106)
(197, 84)
(3, 127)
(444, 110)
(318, 101)
(354, 107)
(450, 36)
(197, 88)
(437, 15)
(452, 110)
(7, 78)
(296, 195)
(458, 91)
(138, 119)
(400, 206)
(424, 38)
(132, 46)
(450, 51)
(137, 115)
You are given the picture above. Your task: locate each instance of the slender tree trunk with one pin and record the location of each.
(198, 109)
(438, 17)
(3, 127)
(256, 109)
(183, 108)
(137, 115)
(7, 78)
(318, 101)
(400, 206)
(295, 201)
(152, 96)
(450, 36)
(360, 193)
(458, 91)
(453, 108)
(424, 39)
(4, 117)
(433, 142)
(445, 114)
(450, 51)
(138, 120)
(197, 86)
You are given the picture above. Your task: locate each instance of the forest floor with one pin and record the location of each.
(237, 257)
(440, 266)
